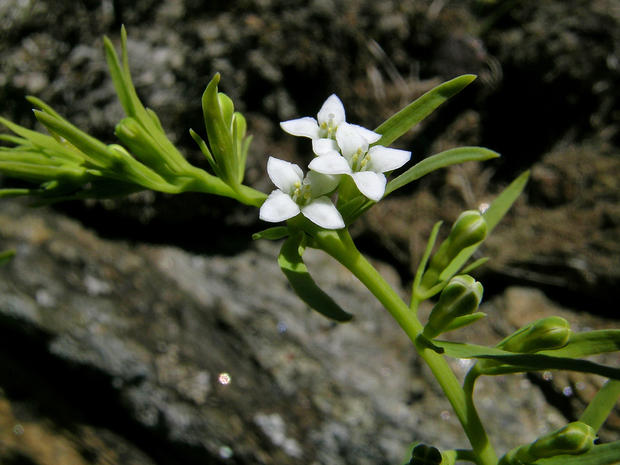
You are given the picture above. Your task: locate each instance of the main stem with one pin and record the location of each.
(341, 247)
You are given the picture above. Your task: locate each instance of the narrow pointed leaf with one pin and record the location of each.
(513, 363)
(440, 160)
(412, 114)
(273, 234)
(464, 320)
(295, 270)
(601, 406)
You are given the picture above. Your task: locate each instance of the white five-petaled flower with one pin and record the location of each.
(366, 166)
(298, 194)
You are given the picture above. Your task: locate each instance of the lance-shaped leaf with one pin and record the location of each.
(272, 234)
(440, 160)
(601, 406)
(602, 454)
(296, 272)
(416, 111)
(510, 362)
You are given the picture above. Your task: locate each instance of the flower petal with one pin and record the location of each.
(285, 175)
(321, 184)
(330, 163)
(278, 207)
(321, 146)
(332, 110)
(371, 184)
(370, 136)
(322, 212)
(302, 127)
(384, 159)
(350, 140)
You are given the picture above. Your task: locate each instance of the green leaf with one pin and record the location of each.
(464, 320)
(603, 403)
(420, 271)
(412, 114)
(588, 343)
(273, 234)
(602, 454)
(511, 362)
(437, 161)
(295, 270)
(93, 149)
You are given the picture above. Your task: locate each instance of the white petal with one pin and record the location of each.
(322, 211)
(330, 163)
(285, 175)
(384, 159)
(303, 127)
(278, 207)
(350, 140)
(321, 146)
(371, 184)
(321, 184)
(370, 136)
(333, 110)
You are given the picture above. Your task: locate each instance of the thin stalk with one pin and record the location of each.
(340, 245)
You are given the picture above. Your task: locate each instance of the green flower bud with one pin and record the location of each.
(544, 334)
(460, 297)
(469, 229)
(574, 439)
(425, 455)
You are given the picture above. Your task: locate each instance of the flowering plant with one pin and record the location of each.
(347, 175)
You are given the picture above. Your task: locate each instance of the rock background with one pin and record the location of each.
(118, 318)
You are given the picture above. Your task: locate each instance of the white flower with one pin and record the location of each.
(366, 166)
(298, 194)
(323, 132)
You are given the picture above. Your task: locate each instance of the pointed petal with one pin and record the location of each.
(321, 146)
(370, 136)
(371, 184)
(278, 207)
(302, 127)
(330, 163)
(384, 159)
(321, 184)
(283, 174)
(322, 212)
(350, 140)
(333, 110)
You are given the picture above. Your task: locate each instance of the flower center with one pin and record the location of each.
(302, 194)
(327, 129)
(359, 160)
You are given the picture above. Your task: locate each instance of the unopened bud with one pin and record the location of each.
(544, 334)
(468, 229)
(575, 438)
(460, 297)
(425, 455)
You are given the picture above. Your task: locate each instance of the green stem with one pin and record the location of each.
(340, 245)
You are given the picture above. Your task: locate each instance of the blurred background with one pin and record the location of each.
(151, 330)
